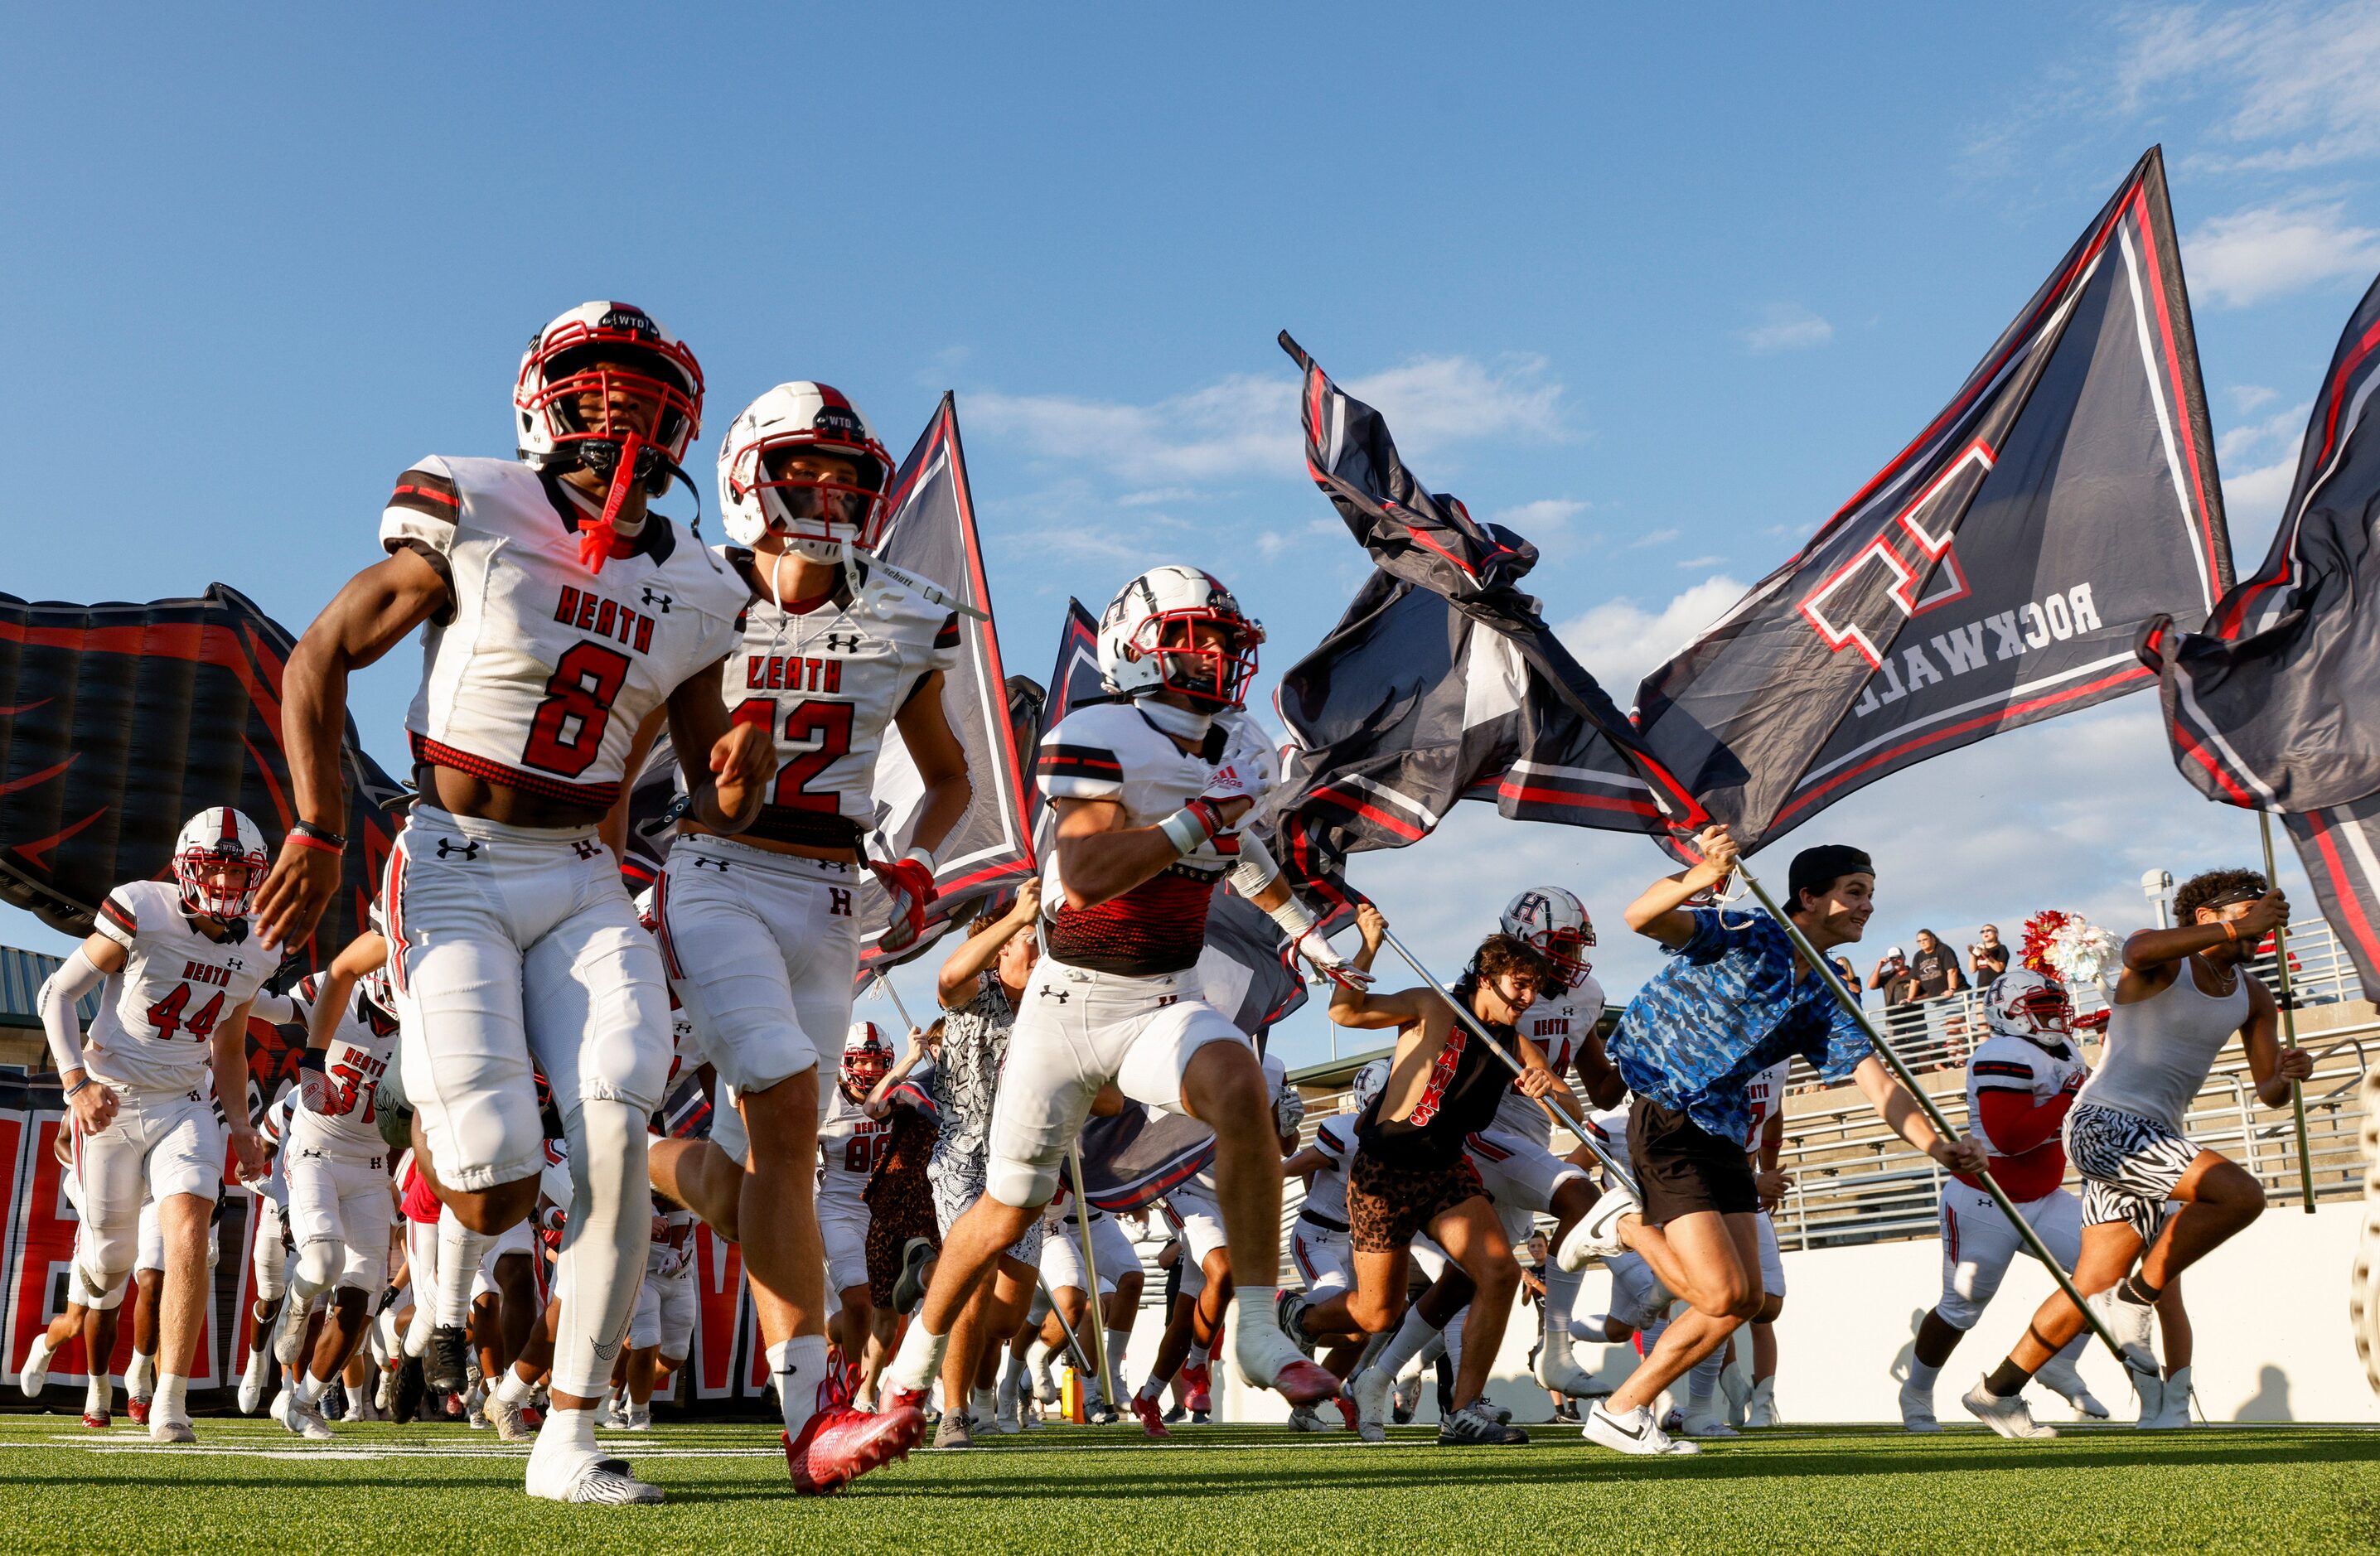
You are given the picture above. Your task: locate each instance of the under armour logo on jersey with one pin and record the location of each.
(656, 601)
(843, 642)
(583, 847)
(719, 865)
(469, 848)
(838, 902)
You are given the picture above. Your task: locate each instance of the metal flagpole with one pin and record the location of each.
(884, 985)
(2289, 1015)
(1619, 1170)
(1090, 1273)
(1908, 1079)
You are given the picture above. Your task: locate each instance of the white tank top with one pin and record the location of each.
(2160, 1049)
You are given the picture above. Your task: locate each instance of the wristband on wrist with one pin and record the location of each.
(2230, 932)
(76, 1087)
(310, 1059)
(1190, 827)
(306, 834)
(923, 856)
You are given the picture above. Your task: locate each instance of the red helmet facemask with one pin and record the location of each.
(811, 507)
(1213, 675)
(1566, 949)
(2049, 1010)
(862, 1070)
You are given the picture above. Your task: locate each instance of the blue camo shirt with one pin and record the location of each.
(1725, 1008)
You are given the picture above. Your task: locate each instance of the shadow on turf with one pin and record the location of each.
(1168, 1474)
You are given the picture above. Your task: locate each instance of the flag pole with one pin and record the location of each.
(1091, 1274)
(1934, 1116)
(1619, 1170)
(2288, 1015)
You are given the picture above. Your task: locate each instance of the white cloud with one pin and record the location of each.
(2253, 254)
(1545, 516)
(1702, 561)
(1788, 326)
(1247, 424)
(2247, 398)
(2262, 457)
(1653, 538)
(2300, 83)
(1619, 640)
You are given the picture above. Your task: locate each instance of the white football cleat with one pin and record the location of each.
(161, 1430)
(1634, 1432)
(1269, 1359)
(35, 1374)
(2063, 1378)
(573, 1476)
(304, 1420)
(1304, 1419)
(1760, 1409)
(2174, 1413)
(508, 1422)
(1917, 1407)
(1369, 1389)
(2010, 1417)
(1597, 1235)
(1559, 1371)
(2130, 1324)
(2148, 1386)
(251, 1380)
(289, 1334)
(1737, 1390)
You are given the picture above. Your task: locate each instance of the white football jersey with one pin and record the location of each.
(155, 1017)
(1335, 1138)
(1765, 1095)
(1557, 1027)
(849, 1144)
(1112, 751)
(362, 1048)
(2002, 1063)
(825, 682)
(540, 676)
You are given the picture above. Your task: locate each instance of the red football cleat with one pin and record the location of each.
(137, 1408)
(1152, 1419)
(1198, 1385)
(840, 1444)
(1304, 1382)
(1347, 1410)
(890, 1398)
(97, 1423)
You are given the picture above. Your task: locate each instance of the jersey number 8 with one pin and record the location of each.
(585, 681)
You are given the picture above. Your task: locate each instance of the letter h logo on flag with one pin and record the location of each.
(1862, 603)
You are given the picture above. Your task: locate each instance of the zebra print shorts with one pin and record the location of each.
(2130, 1165)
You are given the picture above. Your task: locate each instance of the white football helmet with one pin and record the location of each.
(1555, 923)
(219, 861)
(1149, 638)
(814, 516)
(866, 1059)
(2022, 1002)
(374, 984)
(559, 381)
(1368, 1083)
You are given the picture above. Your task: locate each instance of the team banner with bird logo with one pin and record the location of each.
(1996, 573)
(2271, 704)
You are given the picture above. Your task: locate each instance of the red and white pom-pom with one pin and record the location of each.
(2068, 947)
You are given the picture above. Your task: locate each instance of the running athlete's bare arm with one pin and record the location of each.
(2154, 958)
(228, 1047)
(1660, 911)
(940, 760)
(378, 608)
(729, 777)
(1101, 854)
(333, 996)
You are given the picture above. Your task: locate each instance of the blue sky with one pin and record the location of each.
(1661, 290)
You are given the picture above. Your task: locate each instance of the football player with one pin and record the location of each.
(560, 613)
(337, 1167)
(170, 1035)
(757, 922)
(1147, 791)
(1514, 1154)
(850, 1138)
(2020, 1084)
(2182, 994)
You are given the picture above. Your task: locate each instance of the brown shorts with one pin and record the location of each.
(1385, 1206)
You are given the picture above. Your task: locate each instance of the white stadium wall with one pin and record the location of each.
(2269, 1311)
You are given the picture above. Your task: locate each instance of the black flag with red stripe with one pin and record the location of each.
(1996, 573)
(1440, 683)
(118, 723)
(2275, 703)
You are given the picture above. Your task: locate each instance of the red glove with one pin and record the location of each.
(909, 882)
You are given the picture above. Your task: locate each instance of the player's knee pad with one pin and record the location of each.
(1019, 1183)
(318, 1264)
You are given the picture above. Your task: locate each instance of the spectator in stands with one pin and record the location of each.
(1987, 959)
(1936, 968)
(1893, 975)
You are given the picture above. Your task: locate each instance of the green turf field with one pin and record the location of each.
(249, 1486)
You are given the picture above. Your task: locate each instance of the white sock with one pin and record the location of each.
(567, 1432)
(604, 1253)
(1433, 1350)
(919, 1361)
(308, 1388)
(1561, 1294)
(416, 1333)
(171, 1404)
(802, 1375)
(1199, 1356)
(99, 1399)
(983, 1404)
(1255, 1305)
(1012, 1376)
(1117, 1340)
(1923, 1375)
(459, 1252)
(140, 1376)
(1453, 1333)
(39, 1353)
(514, 1388)
(1701, 1382)
(1410, 1336)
